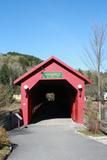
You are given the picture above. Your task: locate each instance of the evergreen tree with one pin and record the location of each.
(4, 74)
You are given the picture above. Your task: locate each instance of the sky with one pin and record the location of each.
(45, 28)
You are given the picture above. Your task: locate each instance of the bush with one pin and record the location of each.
(91, 118)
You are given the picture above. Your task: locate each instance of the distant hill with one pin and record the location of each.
(13, 65)
(19, 61)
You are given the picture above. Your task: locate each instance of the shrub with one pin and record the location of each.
(91, 118)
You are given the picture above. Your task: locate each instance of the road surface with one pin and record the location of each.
(54, 142)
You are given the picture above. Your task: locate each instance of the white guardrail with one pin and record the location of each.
(19, 119)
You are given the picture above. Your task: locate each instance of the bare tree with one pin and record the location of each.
(95, 56)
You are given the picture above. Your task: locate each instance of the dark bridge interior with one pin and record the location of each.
(52, 99)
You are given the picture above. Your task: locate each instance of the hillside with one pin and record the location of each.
(18, 61)
(12, 66)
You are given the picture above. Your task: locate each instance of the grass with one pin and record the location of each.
(86, 132)
(4, 143)
(4, 152)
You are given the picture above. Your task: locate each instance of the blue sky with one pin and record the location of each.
(50, 27)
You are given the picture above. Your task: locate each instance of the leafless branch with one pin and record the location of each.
(95, 54)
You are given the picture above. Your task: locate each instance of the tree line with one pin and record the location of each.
(92, 90)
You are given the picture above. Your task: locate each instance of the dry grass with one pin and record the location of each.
(4, 152)
(4, 142)
(86, 132)
(4, 139)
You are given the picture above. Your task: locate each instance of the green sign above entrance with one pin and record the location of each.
(52, 75)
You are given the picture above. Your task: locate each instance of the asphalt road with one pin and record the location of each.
(59, 142)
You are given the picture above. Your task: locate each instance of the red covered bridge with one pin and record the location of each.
(52, 89)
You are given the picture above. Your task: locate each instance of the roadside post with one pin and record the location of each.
(19, 119)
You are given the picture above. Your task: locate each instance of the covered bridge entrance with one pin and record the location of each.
(52, 99)
(52, 90)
